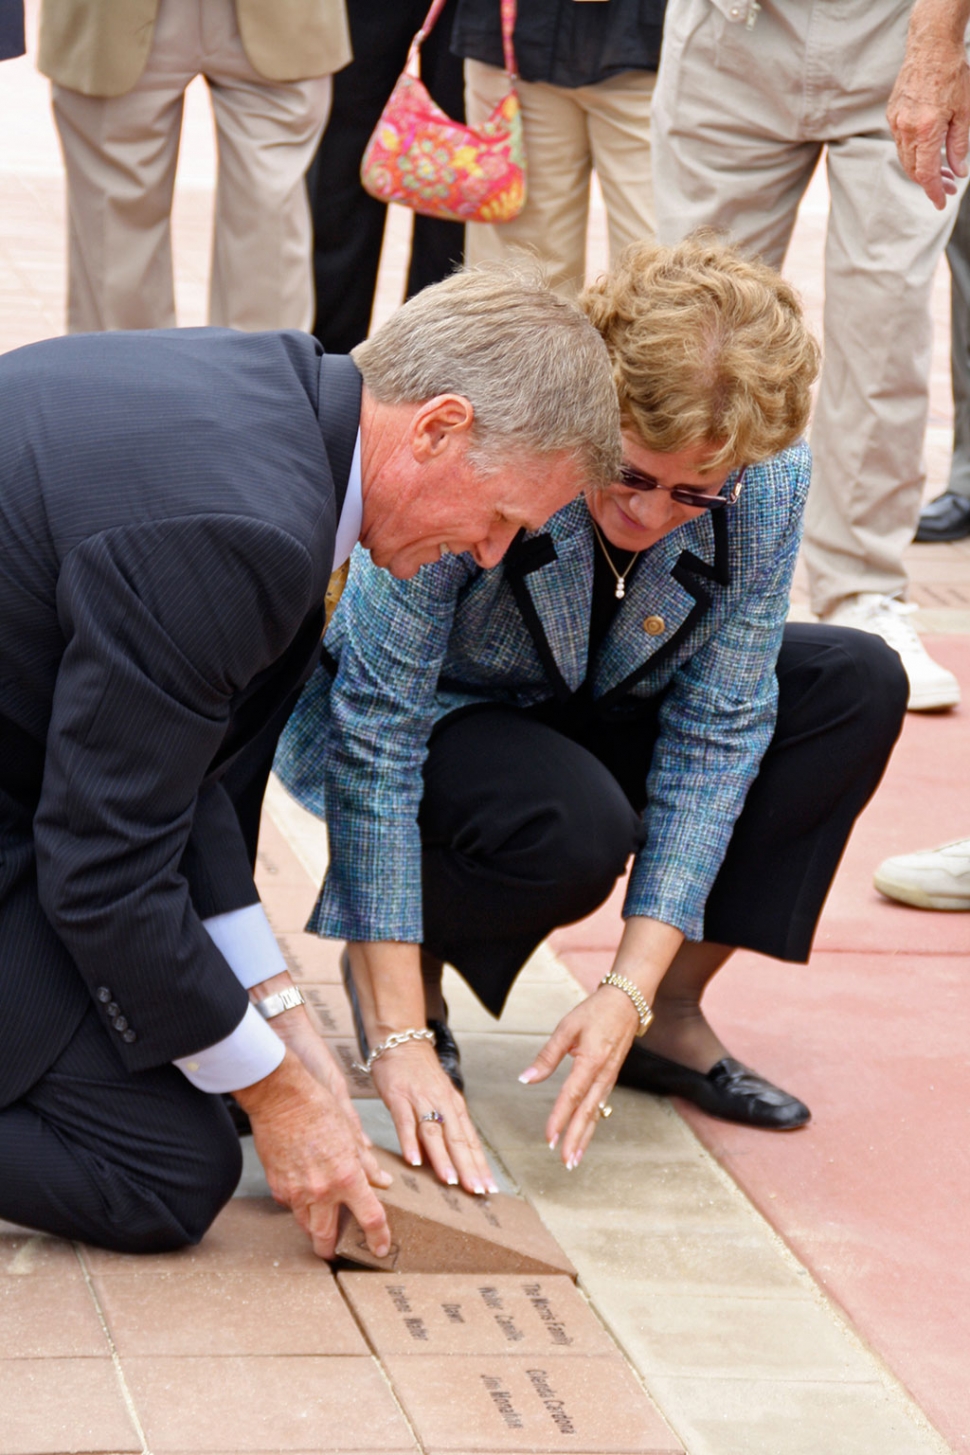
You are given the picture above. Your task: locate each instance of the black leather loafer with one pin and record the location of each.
(446, 1047)
(729, 1090)
(947, 518)
(238, 1117)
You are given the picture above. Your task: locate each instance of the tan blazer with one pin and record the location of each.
(99, 47)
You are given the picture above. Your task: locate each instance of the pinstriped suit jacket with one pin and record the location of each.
(407, 653)
(167, 517)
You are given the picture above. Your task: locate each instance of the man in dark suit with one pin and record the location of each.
(11, 29)
(172, 506)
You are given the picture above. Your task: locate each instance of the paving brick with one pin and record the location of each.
(503, 1313)
(513, 1403)
(329, 1010)
(346, 1053)
(49, 1316)
(440, 1229)
(275, 858)
(23, 1251)
(288, 907)
(54, 1405)
(260, 1404)
(247, 1312)
(310, 958)
(249, 1233)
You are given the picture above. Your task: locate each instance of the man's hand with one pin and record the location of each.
(311, 1156)
(929, 109)
(297, 1032)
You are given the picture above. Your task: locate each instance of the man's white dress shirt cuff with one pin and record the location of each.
(244, 939)
(246, 942)
(245, 1056)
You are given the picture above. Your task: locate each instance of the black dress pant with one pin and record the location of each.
(140, 1164)
(348, 224)
(528, 819)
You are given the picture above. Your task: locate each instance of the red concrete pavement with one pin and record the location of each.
(873, 1196)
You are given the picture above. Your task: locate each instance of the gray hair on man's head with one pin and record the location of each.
(535, 370)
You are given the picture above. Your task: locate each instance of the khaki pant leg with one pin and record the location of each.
(267, 133)
(618, 121)
(883, 245)
(728, 151)
(120, 155)
(552, 224)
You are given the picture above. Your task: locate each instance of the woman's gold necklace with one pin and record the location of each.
(620, 591)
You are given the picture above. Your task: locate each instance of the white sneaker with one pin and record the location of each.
(930, 879)
(931, 686)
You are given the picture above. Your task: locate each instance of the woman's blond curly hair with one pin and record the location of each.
(709, 348)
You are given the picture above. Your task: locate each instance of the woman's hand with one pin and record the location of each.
(412, 1085)
(598, 1034)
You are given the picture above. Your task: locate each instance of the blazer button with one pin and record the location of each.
(653, 625)
(103, 994)
(112, 1007)
(119, 1023)
(128, 1036)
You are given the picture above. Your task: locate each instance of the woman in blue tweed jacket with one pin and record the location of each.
(489, 747)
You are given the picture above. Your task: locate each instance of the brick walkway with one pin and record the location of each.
(773, 1295)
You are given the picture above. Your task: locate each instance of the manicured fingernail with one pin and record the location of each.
(570, 1164)
(578, 1158)
(493, 1187)
(554, 1143)
(528, 1076)
(479, 1187)
(452, 1178)
(415, 1161)
(382, 1250)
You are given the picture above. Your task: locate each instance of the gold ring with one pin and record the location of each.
(604, 1110)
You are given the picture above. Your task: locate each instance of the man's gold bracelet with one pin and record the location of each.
(636, 995)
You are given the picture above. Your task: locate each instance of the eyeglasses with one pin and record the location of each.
(684, 494)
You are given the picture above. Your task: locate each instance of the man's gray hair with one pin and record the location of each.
(535, 370)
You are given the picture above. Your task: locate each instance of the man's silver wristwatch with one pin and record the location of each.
(274, 1005)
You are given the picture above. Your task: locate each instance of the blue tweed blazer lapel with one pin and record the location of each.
(664, 588)
(551, 576)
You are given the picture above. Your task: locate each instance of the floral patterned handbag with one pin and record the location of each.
(418, 156)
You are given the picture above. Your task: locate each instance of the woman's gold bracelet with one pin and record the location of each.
(398, 1038)
(636, 995)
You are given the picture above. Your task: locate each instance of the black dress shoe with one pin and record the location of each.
(240, 1120)
(729, 1090)
(947, 518)
(446, 1047)
(448, 1053)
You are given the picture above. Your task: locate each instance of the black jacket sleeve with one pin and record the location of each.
(164, 624)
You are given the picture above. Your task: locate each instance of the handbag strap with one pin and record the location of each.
(508, 8)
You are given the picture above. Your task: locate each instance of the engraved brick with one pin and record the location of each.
(500, 1313)
(310, 958)
(514, 1403)
(440, 1229)
(329, 1010)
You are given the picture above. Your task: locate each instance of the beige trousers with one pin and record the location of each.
(120, 154)
(568, 133)
(741, 118)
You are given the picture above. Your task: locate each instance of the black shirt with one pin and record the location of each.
(565, 42)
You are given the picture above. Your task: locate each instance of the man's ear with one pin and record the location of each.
(440, 423)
